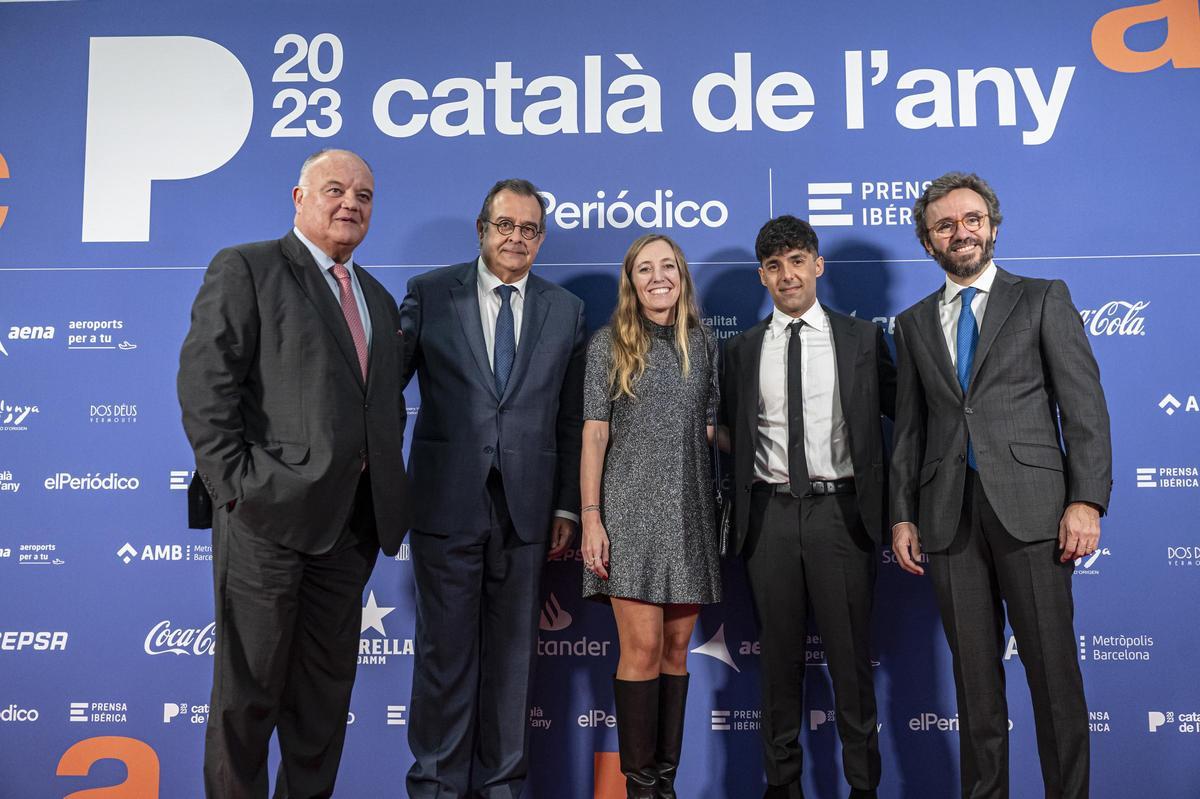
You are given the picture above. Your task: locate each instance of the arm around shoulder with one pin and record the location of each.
(569, 424)
(885, 369)
(410, 327)
(909, 437)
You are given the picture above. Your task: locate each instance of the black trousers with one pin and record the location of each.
(478, 600)
(813, 555)
(984, 572)
(286, 653)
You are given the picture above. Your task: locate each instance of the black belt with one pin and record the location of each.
(815, 487)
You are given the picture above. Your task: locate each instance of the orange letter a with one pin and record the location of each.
(1181, 46)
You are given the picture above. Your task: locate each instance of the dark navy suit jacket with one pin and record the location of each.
(531, 434)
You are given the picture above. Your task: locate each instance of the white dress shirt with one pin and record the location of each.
(826, 442)
(325, 263)
(489, 307)
(950, 307)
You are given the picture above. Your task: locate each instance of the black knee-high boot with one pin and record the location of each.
(672, 702)
(637, 734)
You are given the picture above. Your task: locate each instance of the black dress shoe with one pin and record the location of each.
(863, 793)
(790, 791)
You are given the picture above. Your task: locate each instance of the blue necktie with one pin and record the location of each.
(505, 351)
(968, 337)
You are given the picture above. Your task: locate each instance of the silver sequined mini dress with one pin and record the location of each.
(657, 491)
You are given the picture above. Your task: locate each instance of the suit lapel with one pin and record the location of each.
(930, 325)
(533, 317)
(380, 319)
(465, 299)
(1005, 293)
(316, 288)
(845, 351)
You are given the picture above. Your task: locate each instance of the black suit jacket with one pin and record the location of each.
(532, 433)
(1034, 387)
(274, 403)
(867, 386)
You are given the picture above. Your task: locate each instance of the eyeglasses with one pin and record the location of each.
(505, 227)
(945, 228)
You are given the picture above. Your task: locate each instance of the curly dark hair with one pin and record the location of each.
(782, 234)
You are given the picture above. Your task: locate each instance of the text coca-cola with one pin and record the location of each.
(1116, 318)
(164, 639)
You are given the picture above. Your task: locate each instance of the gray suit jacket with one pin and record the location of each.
(274, 403)
(532, 434)
(1034, 389)
(867, 386)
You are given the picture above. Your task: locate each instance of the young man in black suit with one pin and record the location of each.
(802, 396)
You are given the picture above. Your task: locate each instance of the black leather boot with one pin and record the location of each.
(637, 734)
(672, 702)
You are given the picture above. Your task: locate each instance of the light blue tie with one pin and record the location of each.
(505, 351)
(968, 337)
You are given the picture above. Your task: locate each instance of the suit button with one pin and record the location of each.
(967, 409)
(366, 406)
(362, 453)
(488, 450)
(961, 457)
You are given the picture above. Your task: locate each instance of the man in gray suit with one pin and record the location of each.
(289, 381)
(499, 353)
(1001, 470)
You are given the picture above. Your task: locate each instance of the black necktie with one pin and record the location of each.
(797, 463)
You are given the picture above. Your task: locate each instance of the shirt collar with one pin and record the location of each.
(983, 283)
(488, 281)
(814, 317)
(323, 260)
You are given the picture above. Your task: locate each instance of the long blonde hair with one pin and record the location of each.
(630, 341)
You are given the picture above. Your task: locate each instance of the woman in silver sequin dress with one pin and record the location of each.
(649, 543)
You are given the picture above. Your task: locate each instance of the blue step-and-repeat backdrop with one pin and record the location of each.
(138, 138)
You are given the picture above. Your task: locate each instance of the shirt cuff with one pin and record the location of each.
(566, 514)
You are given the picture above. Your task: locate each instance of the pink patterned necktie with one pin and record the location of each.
(350, 311)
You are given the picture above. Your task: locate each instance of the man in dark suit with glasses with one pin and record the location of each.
(499, 354)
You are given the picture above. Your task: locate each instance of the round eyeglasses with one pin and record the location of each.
(505, 227)
(944, 228)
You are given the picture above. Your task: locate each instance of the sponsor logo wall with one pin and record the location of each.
(165, 133)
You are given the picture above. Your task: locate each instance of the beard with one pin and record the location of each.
(966, 268)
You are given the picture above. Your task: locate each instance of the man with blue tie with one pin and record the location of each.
(1001, 470)
(499, 355)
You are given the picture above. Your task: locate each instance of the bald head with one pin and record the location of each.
(320, 154)
(333, 200)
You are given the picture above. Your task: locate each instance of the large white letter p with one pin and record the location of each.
(159, 108)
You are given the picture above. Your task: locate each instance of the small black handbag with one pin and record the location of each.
(724, 505)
